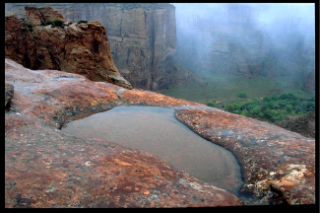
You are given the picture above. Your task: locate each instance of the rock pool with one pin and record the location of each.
(155, 130)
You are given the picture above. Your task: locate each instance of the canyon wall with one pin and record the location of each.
(235, 39)
(142, 37)
(77, 48)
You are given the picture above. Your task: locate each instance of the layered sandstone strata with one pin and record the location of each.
(142, 37)
(77, 48)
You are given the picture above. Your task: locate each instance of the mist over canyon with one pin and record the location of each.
(247, 39)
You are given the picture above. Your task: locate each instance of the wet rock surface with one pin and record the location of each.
(48, 168)
(275, 162)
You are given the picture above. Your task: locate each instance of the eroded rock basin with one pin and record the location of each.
(155, 130)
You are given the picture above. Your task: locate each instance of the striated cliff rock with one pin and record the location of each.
(142, 37)
(77, 48)
(278, 166)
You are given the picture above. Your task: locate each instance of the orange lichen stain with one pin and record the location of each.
(124, 163)
(15, 136)
(128, 188)
(136, 188)
(97, 139)
(146, 192)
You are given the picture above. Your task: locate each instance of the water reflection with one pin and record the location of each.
(155, 130)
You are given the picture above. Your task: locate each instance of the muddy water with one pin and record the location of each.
(155, 130)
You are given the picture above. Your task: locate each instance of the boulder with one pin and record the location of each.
(78, 48)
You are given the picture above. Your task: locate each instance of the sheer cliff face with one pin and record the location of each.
(245, 40)
(77, 48)
(142, 37)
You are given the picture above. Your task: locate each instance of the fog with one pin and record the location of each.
(248, 40)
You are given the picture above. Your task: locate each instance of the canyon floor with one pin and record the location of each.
(45, 167)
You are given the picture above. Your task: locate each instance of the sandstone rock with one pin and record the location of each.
(49, 14)
(273, 160)
(33, 16)
(278, 166)
(142, 37)
(8, 94)
(74, 48)
(87, 172)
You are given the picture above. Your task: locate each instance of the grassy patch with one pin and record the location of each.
(242, 94)
(272, 109)
(225, 89)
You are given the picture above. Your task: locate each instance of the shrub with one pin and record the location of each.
(256, 109)
(211, 104)
(237, 105)
(244, 113)
(242, 94)
(289, 107)
(274, 97)
(282, 103)
(266, 99)
(44, 23)
(255, 99)
(283, 96)
(58, 23)
(82, 21)
(230, 108)
(22, 19)
(271, 113)
(291, 96)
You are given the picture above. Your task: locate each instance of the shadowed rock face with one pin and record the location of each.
(8, 94)
(142, 37)
(278, 166)
(77, 48)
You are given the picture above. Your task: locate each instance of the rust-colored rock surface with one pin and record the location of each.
(77, 48)
(275, 162)
(49, 168)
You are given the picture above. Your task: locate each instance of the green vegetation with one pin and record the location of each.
(211, 104)
(30, 28)
(242, 94)
(45, 23)
(272, 109)
(58, 23)
(82, 21)
(114, 79)
(22, 19)
(225, 89)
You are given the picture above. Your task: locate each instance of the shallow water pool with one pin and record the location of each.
(155, 130)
